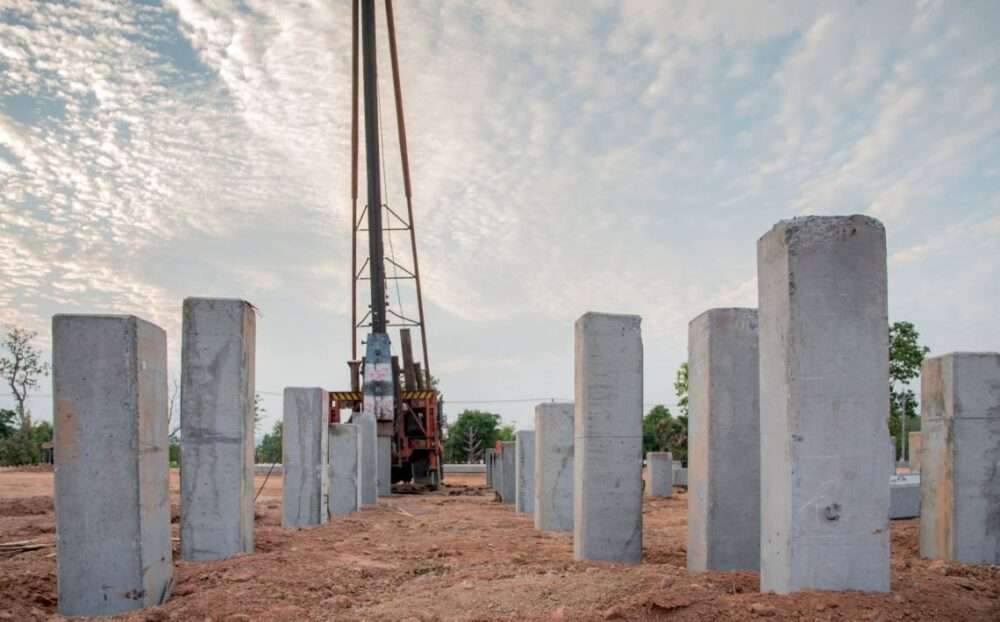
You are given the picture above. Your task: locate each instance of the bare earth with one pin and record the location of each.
(458, 555)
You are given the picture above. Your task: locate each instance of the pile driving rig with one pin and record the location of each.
(402, 398)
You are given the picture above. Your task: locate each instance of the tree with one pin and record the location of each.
(173, 429)
(269, 449)
(681, 389)
(506, 433)
(7, 427)
(905, 357)
(478, 424)
(258, 411)
(650, 424)
(473, 445)
(21, 369)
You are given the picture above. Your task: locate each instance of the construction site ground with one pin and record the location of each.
(457, 555)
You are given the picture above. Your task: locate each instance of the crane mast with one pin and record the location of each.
(394, 391)
(379, 384)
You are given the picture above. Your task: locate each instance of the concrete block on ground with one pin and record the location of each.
(524, 468)
(112, 501)
(217, 428)
(304, 442)
(904, 497)
(823, 403)
(959, 476)
(723, 441)
(464, 468)
(915, 443)
(343, 465)
(661, 473)
(508, 468)
(367, 458)
(554, 467)
(607, 428)
(681, 477)
(384, 467)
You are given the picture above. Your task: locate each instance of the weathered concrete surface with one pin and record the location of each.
(384, 467)
(681, 477)
(508, 468)
(723, 441)
(960, 464)
(367, 458)
(904, 497)
(217, 435)
(915, 448)
(488, 464)
(498, 471)
(607, 464)
(343, 465)
(661, 473)
(823, 404)
(554, 467)
(304, 442)
(109, 382)
(524, 468)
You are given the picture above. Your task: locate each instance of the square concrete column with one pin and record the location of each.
(112, 501)
(217, 435)
(367, 458)
(384, 467)
(915, 443)
(508, 477)
(488, 462)
(607, 463)
(661, 473)
(824, 373)
(959, 479)
(343, 464)
(723, 441)
(498, 471)
(554, 467)
(304, 440)
(525, 467)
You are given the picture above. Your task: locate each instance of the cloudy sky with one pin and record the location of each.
(567, 156)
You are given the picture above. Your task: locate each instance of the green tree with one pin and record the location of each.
(681, 389)
(21, 368)
(506, 433)
(7, 426)
(269, 450)
(905, 357)
(651, 439)
(473, 432)
(42, 432)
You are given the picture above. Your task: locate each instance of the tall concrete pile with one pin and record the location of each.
(508, 472)
(959, 478)
(304, 439)
(554, 467)
(607, 474)
(524, 459)
(217, 428)
(723, 441)
(660, 466)
(824, 370)
(112, 500)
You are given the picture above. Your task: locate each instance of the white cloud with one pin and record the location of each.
(565, 156)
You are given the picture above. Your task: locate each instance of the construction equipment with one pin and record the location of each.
(403, 400)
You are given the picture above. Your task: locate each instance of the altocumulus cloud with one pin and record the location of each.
(619, 156)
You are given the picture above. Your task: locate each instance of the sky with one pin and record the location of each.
(567, 156)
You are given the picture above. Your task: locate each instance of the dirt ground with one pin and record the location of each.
(458, 555)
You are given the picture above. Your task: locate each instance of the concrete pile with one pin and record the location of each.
(114, 551)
